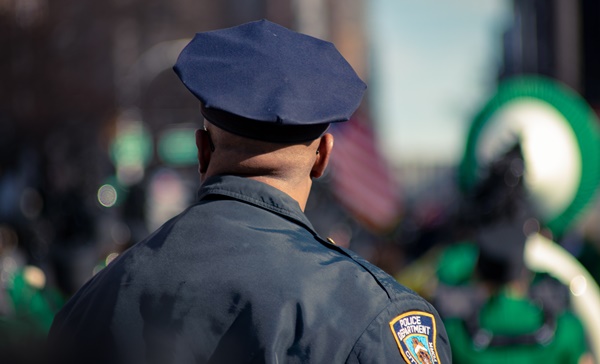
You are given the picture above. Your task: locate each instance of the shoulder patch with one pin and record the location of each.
(415, 334)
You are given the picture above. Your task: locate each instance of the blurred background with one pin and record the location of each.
(96, 131)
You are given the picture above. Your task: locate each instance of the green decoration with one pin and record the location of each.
(582, 121)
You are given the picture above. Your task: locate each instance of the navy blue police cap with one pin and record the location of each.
(263, 81)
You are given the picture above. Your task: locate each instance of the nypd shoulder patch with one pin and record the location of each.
(415, 334)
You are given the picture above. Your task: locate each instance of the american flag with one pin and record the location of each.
(360, 177)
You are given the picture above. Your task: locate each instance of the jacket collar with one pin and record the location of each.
(255, 193)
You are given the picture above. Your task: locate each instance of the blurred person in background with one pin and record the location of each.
(29, 299)
(241, 276)
(495, 309)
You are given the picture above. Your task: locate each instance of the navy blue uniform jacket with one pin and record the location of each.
(242, 277)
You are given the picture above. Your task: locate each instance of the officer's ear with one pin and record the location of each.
(204, 145)
(322, 157)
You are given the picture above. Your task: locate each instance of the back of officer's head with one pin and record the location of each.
(239, 155)
(265, 89)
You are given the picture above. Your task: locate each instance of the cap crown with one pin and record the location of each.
(267, 73)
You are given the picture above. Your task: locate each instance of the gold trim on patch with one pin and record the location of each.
(434, 336)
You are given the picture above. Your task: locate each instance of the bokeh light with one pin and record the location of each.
(107, 195)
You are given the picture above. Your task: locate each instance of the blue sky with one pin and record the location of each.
(433, 64)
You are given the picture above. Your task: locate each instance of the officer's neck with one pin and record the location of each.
(299, 191)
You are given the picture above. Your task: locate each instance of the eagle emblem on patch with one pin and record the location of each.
(415, 334)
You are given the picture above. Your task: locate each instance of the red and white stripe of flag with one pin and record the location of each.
(360, 177)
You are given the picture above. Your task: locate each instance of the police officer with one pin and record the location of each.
(241, 276)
